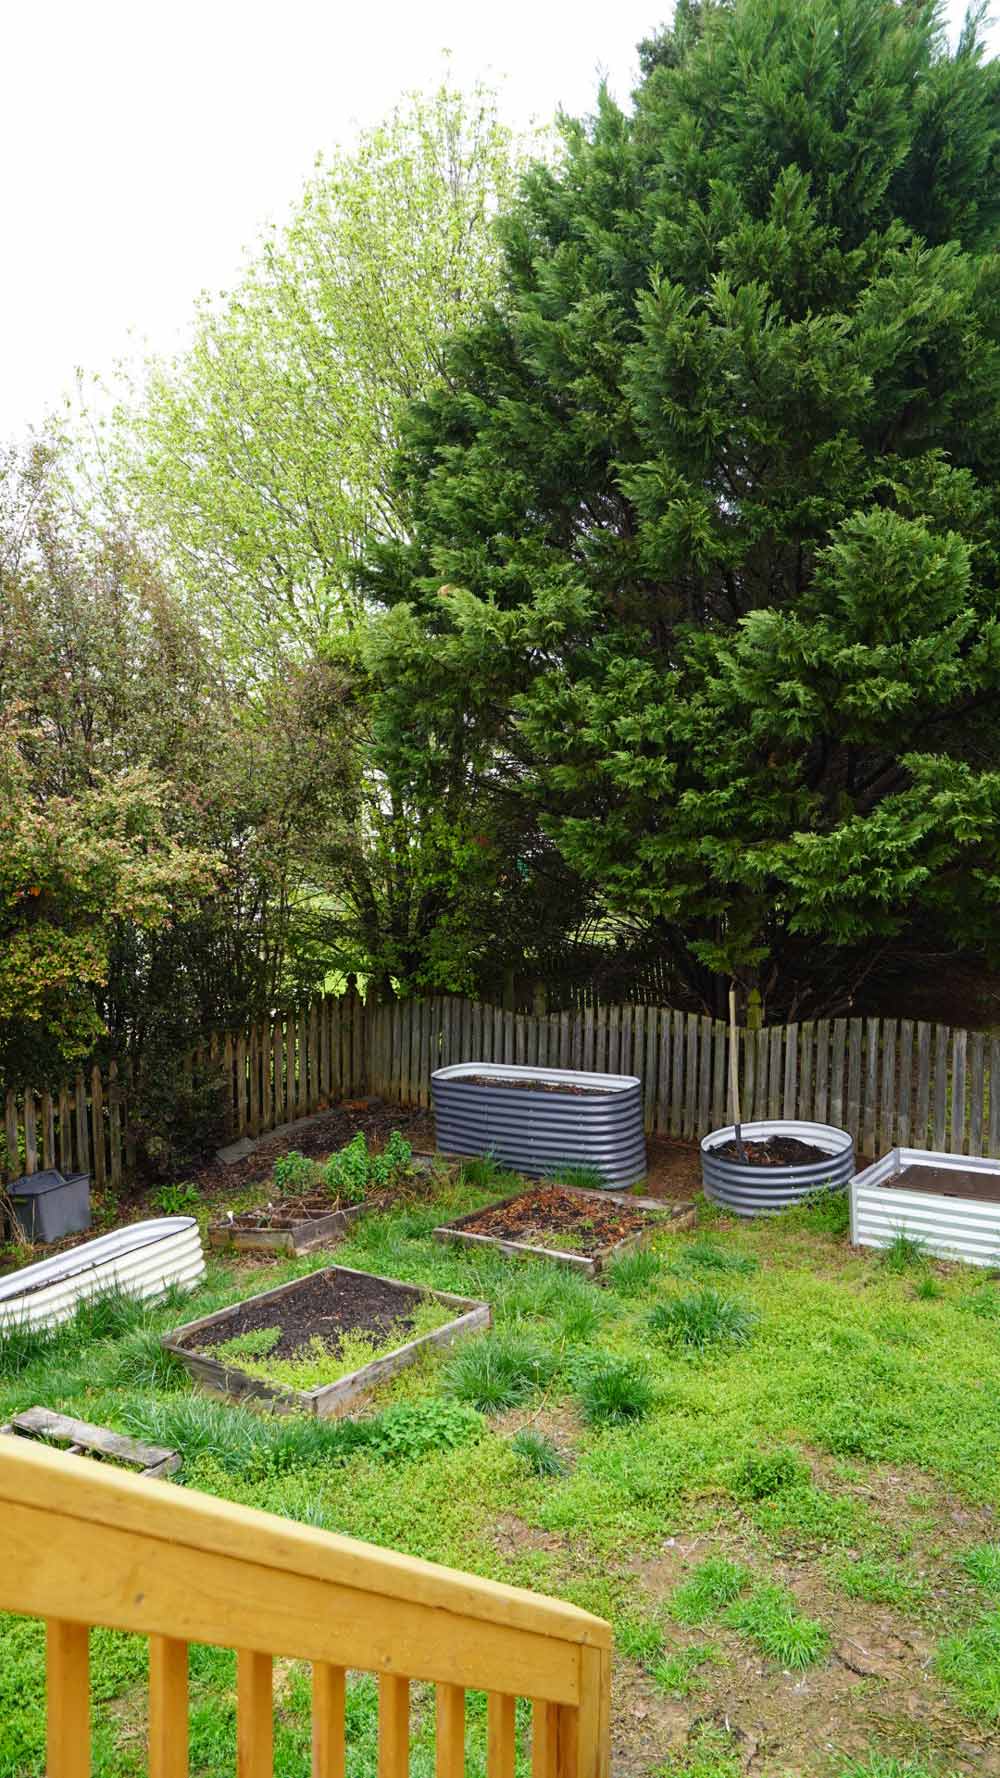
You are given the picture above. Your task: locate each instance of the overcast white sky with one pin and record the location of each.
(144, 143)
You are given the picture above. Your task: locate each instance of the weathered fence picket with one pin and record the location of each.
(887, 1081)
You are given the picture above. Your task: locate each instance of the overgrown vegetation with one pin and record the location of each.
(565, 1449)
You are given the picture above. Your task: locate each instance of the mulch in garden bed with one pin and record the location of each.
(774, 1151)
(546, 1215)
(319, 1307)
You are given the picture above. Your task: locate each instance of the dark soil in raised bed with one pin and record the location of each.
(948, 1182)
(539, 1216)
(530, 1085)
(318, 1307)
(774, 1151)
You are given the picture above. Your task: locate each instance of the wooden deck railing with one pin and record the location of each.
(86, 1545)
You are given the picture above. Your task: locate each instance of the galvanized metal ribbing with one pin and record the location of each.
(764, 1191)
(537, 1131)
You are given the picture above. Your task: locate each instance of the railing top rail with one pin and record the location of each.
(96, 1545)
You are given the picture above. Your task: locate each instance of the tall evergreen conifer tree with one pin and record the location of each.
(705, 521)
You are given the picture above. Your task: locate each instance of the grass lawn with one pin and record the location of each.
(771, 1461)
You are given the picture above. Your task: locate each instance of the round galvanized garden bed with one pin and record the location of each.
(750, 1190)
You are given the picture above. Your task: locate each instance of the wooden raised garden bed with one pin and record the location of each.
(310, 1320)
(568, 1224)
(296, 1226)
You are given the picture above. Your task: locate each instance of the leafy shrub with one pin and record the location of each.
(709, 1589)
(293, 1172)
(703, 1319)
(353, 1173)
(632, 1273)
(412, 1428)
(498, 1371)
(617, 1389)
(174, 1200)
(541, 1455)
(763, 1474)
(174, 1119)
(770, 1617)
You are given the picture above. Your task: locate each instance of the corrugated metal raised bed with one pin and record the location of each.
(567, 1117)
(908, 1191)
(750, 1190)
(143, 1260)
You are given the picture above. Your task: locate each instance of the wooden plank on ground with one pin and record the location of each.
(63, 1429)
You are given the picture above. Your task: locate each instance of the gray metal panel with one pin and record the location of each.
(536, 1131)
(765, 1191)
(951, 1228)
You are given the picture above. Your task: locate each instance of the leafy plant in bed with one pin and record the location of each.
(315, 1203)
(321, 1342)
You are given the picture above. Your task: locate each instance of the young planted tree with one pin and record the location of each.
(705, 519)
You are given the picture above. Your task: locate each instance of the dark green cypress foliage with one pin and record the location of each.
(705, 521)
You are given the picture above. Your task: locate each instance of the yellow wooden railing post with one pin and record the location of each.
(328, 1750)
(254, 1715)
(168, 1708)
(393, 1726)
(450, 1749)
(67, 1664)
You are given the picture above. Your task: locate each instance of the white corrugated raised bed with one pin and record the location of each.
(959, 1228)
(144, 1260)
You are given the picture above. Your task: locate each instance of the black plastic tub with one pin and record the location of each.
(49, 1206)
(593, 1120)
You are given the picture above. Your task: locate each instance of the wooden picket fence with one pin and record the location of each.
(888, 1081)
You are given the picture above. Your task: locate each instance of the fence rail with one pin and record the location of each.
(888, 1081)
(86, 1545)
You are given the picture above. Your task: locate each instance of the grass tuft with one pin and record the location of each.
(970, 1664)
(904, 1253)
(703, 1319)
(709, 1589)
(580, 1174)
(983, 1565)
(498, 1371)
(763, 1474)
(703, 1255)
(771, 1619)
(616, 1390)
(539, 1453)
(631, 1274)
